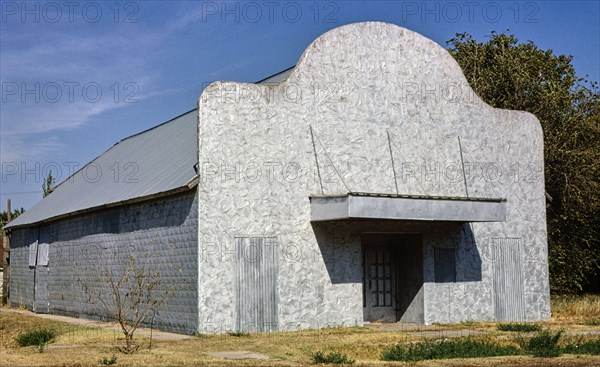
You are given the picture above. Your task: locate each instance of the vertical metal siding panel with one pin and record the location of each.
(256, 284)
(239, 284)
(496, 289)
(510, 278)
(261, 285)
(250, 263)
(272, 285)
(519, 294)
(507, 281)
(267, 283)
(499, 285)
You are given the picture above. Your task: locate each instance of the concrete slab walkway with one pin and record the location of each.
(239, 354)
(425, 331)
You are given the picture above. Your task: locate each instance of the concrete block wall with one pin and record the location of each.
(160, 233)
(21, 280)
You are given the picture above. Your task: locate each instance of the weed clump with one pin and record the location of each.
(39, 337)
(446, 349)
(238, 333)
(108, 361)
(588, 347)
(519, 327)
(333, 357)
(544, 344)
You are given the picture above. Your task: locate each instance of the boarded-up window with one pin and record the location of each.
(445, 265)
(43, 254)
(32, 253)
(256, 288)
(40, 250)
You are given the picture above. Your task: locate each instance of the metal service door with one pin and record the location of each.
(256, 291)
(509, 304)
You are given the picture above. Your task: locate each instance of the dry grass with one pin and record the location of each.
(78, 345)
(582, 309)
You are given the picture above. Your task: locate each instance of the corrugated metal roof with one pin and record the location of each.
(156, 161)
(426, 197)
(406, 196)
(277, 78)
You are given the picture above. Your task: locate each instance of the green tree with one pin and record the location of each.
(4, 218)
(48, 185)
(520, 76)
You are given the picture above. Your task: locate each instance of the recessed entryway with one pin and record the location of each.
(392, 277)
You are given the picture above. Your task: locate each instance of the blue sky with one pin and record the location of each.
(79, 76)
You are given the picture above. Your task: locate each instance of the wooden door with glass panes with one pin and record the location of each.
(379, 283)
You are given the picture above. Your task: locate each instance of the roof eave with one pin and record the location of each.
(191, 185)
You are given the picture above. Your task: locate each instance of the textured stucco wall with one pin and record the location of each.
(353, 86)
(160, 233)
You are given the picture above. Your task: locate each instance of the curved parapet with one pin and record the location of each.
(377, 109)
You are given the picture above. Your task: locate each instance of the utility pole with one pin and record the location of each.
(5, 257)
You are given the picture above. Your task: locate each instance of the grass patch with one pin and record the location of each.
(86, 344)
(544, 344)
(238, 333)
(333, 357)
(583, 347)
(108, 361)
(469, 323)
(39, 338)
(519, 327)
(595, 322)
(447, 349)
(571, 307)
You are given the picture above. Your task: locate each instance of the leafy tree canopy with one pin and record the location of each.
(48, 185)
(520, 76)
(4, 218)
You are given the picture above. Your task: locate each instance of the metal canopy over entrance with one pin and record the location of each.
(406, 207)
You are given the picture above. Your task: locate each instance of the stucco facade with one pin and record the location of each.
(370, 108)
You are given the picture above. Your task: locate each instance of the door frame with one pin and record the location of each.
(379, 277)
(393, 242)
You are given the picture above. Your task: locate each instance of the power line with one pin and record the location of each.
(20, 193)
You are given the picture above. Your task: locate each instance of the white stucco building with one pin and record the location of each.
(368, 183)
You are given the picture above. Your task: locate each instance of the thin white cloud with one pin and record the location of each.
(66, 72)
(73, 56)
(25, 148)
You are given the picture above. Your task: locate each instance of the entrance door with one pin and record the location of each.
(392, 277)
(39, 253)
(379, 296)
